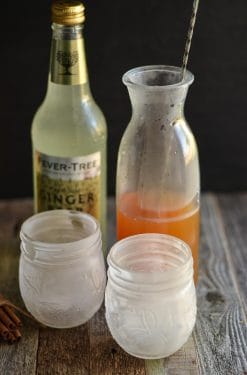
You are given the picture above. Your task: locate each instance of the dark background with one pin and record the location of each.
(120, 35)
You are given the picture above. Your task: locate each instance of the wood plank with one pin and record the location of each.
(20, 358)
(107, 358)
(220, 333)
(233, 209)
(155, 367)
(63, 352)
(183, 362)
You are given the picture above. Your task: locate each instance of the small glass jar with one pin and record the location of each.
(150, 295)
(62, 272)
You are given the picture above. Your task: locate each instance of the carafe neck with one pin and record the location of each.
(157, 92)
(158, 106)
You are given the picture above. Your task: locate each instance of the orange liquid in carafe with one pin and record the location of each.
(182, 223)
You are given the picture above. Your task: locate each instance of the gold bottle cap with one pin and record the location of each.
(65, 12)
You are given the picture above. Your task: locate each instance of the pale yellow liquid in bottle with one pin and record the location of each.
(70, 124)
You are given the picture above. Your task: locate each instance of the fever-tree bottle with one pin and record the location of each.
(69, 130)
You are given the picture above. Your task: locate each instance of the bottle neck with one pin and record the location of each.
(68, 70)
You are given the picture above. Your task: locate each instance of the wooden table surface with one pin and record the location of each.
(218, 344)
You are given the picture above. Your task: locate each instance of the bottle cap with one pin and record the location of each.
(65, 12)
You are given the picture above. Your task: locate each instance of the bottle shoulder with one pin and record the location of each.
(69, 129)
(84, 115)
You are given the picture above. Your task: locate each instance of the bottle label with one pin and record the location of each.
(69, 183)
(68, 66)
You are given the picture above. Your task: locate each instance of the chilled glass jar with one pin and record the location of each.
(158, 183)
(150, 295)
(61, 273)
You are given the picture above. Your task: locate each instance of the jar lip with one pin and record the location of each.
(60, 246)
(150, 238)
(132, 77)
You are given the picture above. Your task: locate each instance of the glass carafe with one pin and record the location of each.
(158, 179)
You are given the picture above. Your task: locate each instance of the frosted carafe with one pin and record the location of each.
(158, 183)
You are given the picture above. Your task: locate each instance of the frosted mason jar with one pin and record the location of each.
(150, 295)
(61, 273)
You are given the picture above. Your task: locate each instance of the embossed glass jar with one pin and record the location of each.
(150, 295)
(61, 273)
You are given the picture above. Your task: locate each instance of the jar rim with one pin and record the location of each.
(47, 246)
(132, 77)
(162, 240)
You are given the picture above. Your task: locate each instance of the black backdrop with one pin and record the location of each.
(121, 35)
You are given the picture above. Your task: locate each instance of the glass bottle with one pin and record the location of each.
(158, 183)
(69, 130)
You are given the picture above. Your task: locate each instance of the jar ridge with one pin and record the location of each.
(133, 278)
(52, 253)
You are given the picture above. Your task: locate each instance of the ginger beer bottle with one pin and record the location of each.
(69, 130)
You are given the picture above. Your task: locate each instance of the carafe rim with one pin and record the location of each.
(133, 78)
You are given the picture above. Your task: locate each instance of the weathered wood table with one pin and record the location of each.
(219, 341)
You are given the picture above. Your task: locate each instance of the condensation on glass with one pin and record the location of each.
(158, 183)
(150, 295)
(62, 272)
(69, 130)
